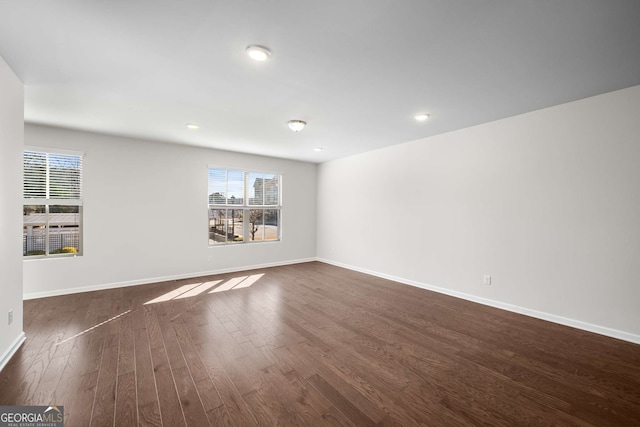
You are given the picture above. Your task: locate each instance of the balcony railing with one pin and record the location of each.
(58, 244)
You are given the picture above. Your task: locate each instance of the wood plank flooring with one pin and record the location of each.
(312, 345)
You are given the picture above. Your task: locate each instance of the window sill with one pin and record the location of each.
(55, 256)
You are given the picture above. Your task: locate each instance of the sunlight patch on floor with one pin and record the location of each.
(238, 283)
(199, 289)
(249, 281)
(94, 327)
(195, 289)
(172, 294)
(228, 285)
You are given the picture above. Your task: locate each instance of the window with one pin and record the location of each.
(52, 203)
(243, 206)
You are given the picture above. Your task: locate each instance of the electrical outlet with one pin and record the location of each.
(10, 316)
(487, 279)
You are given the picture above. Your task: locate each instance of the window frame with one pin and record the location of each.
(245, 206)
(47, 202)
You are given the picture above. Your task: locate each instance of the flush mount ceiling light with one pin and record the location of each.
(296, 125)
(422, 117)
(318, 149)
(258, 53)
(192, 126)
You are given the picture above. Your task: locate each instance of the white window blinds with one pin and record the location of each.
(52, 176)
(35, 175)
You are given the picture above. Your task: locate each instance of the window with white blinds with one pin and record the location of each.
(52, 203)
(244, 206)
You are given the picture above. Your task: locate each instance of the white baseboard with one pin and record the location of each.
(7, 355)
(578, 324)
(100, 287)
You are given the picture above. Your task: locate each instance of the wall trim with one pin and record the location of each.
(4, 359)
(100, 287)
(578, 324)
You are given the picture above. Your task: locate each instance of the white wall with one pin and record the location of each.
(547, 203)
(145, 214)
(11, 136)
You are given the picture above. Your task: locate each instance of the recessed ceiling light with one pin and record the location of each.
(422, 117)
(318, 149)
(192, 126)
(296, 125)
(258, 53)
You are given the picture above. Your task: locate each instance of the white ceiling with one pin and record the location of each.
(356, 71)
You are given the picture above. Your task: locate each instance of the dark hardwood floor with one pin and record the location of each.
(312, 345)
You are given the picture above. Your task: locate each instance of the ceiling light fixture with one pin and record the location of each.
(422, 117)
(318, 149)
(193, 126)
(296, 125)
(258, 53)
